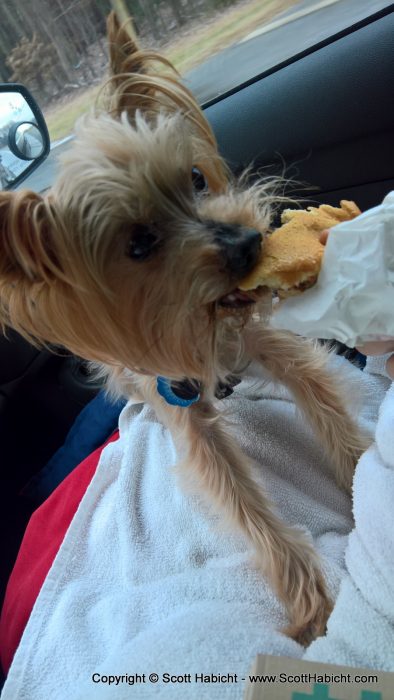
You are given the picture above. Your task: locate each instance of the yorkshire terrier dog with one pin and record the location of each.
(132, 261)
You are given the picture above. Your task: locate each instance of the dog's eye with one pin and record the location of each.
(142, 243)
(198, 179)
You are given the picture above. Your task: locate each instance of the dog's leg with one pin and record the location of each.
(301, 365)
(222, 472)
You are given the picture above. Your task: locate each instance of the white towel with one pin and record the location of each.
(146, 581)
(361, 628)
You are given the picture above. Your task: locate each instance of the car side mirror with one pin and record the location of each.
(24, 138)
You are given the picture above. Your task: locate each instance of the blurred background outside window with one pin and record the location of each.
(57, 48)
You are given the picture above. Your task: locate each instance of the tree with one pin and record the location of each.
(58, 45)
(34, 64)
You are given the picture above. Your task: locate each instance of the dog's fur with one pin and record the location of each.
(66, 278)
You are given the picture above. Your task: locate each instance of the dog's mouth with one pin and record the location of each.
(238, 299)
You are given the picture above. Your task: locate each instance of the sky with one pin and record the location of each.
(13, 107)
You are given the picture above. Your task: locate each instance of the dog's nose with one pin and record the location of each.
(240, 247)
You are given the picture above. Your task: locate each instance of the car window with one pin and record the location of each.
(274, 40)
(58, 49)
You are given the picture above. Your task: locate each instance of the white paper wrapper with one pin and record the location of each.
(353, 300)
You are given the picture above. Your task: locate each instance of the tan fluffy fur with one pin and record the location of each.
(65, 279)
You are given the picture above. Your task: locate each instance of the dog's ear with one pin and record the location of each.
(144, 80)
(27, 261)
(148, 82)
(123, 48)
(131, 84)
(24, 238)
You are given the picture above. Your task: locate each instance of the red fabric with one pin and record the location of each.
(44, 535)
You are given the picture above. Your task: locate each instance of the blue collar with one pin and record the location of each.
(182, 393)
(186, 392)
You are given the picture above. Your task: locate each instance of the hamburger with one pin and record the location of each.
(291, 256)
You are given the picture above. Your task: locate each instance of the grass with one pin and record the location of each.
(222, 32)
(61, 119)
(196, 44)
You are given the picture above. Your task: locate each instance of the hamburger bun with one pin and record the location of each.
(291, 256)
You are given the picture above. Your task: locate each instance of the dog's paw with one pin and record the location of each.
(309, 612)
(305, 632)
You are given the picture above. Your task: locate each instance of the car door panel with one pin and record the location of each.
(325, 119)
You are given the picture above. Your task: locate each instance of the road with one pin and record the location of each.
(291, 33)
(306, 24)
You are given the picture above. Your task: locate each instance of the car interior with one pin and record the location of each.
(323, 119)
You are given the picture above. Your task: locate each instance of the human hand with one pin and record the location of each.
(376, 347)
